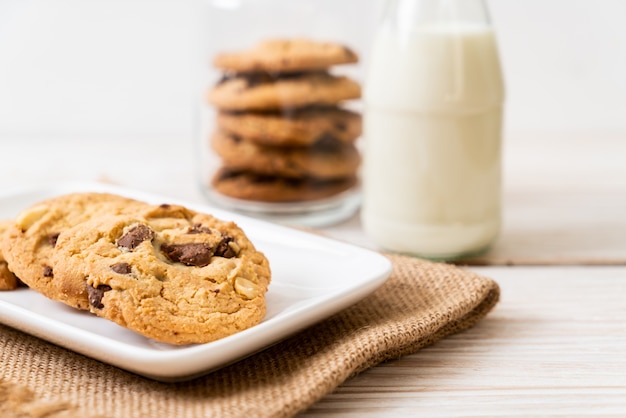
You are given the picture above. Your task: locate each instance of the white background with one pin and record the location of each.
(120, 68)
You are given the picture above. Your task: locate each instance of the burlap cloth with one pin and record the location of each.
(421, 303)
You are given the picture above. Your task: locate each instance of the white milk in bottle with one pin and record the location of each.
(432, 125)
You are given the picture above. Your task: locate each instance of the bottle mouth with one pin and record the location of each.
(409, 14)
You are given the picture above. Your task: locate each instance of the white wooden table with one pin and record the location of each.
(555, 345)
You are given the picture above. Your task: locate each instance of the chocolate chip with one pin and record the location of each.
(135, 236)
(52, 239)
(121, 268)
(165, 205)
(290, 76)
(47, 271)
(225, 250)
(341, 126)
(199, 229)
(257, 79)
(95, 295)
(226, 173)
(198, 254)
(261, 178)
(287, 112)
(349, 53)
(327, 143)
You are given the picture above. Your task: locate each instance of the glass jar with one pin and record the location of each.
(279, 107)
(432, 125)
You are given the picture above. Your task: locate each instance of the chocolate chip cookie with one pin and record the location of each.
(292, 127)
(326, 159)
(31, 238)
(8, 281)
(253, 186)
(286, 55)
(264, 91)
(171, 274)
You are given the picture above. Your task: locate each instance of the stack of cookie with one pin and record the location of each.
(282, 135)
(163, 271)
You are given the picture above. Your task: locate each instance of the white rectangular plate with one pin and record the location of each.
(313, 277)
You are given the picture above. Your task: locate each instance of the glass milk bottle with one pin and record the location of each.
(432, 128)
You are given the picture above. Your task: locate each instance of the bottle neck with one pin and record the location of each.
(407, 15)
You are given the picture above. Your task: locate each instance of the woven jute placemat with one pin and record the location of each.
(421, 303)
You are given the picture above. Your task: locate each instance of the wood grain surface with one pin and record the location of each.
(554, 346)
